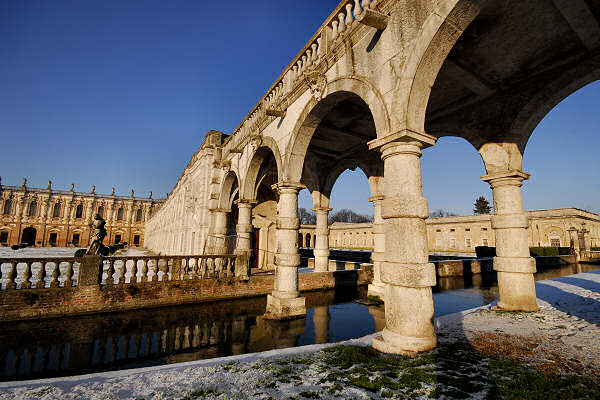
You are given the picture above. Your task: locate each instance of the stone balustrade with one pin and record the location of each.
(38, 273)
(42, 273)
(336, 27)
(166, 268)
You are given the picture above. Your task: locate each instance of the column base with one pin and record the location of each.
(281, 309)
(517, 292)
(376, 290)
(392, 343)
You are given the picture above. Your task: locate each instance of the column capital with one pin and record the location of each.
(288, 187)
(512, 177)
(373, 199)
(245, 203)
(404, 136)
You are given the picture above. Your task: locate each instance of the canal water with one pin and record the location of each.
(79, 345)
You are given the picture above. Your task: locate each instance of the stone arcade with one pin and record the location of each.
(376, 86)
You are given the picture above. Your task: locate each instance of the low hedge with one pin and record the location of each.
(487, 252)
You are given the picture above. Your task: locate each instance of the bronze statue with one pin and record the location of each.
(96, 247)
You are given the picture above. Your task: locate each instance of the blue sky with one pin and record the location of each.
(120, 93)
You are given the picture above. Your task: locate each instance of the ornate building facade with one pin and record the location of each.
(48, 217)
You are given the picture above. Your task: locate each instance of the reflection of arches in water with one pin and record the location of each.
(29, 235)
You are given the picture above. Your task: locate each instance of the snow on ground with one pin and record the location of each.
(565, 328)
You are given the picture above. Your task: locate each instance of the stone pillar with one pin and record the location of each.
(285, 301)
(513, 263)
(244, 238)
(321, 320)
(377, 288)
(321, 244)
(220, 231)
(406, 271)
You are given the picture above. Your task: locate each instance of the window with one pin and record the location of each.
(120, 215)
(7, 206)
(484, 229)
(3, 237)
(136, 240)
(56, 210)
(32, 209)
(79, 211)
(138, 215)
(438, 230)
(117, 239)
(485, 242)
(52, 238)
(468, 243)
(452, 243)
(468, 230)
(438, 243)
(555, 242)
(452, 230)
(75, 240)
(101, 211)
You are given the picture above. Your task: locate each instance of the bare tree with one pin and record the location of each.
(441, 213)
(350, 216)
(306, 217)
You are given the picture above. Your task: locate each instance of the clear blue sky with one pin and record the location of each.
(120, 93)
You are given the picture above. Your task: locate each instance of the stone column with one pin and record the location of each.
(220, 230)
(244, 238)
(377, 288)
(406, 271)
(513, 263)
(321, 244)
(285, 301)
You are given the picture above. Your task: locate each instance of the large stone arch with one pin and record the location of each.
(249, 184)
(437, 36)
(314, 112)
(229, 187)
(352, 164)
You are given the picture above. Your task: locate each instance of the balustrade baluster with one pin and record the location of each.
(162, 265)
(210, 267)
(18, 360)
(110, 279)
(314, 52)
(186, 338)
(144, 270)
(335, 29)
(41, 277)
(55, 272)
(342, 25)
(137, 343)
(357, 9)
(61, 351)
(134, 272)
(45, 359)
(349, 15)
(319, 47)
(186, 269)
(12, 274)
(30, 359)
(219, 266)
(69, 274)
(26, 275)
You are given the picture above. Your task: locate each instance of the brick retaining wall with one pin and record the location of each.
(59, 302)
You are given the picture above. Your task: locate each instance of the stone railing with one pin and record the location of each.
(38, 273)
(335, 28)
(42, 273)
(166, 268)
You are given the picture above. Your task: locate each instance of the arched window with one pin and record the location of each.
(79, 211)
(56, 210)
(307, 240)
(7, 206)
(32, 209)
(120, 214)
(101, 211)
(138, 215)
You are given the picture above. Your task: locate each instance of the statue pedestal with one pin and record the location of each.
(90, 271)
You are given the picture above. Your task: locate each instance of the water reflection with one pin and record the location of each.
(70, 346)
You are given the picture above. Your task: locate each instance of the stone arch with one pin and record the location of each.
(437, 36)
(342, 166)
(250, 183)
(229, 188)
(543, 102)
(554, 230)
(314, 112)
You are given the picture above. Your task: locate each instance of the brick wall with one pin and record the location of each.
(58, 302)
